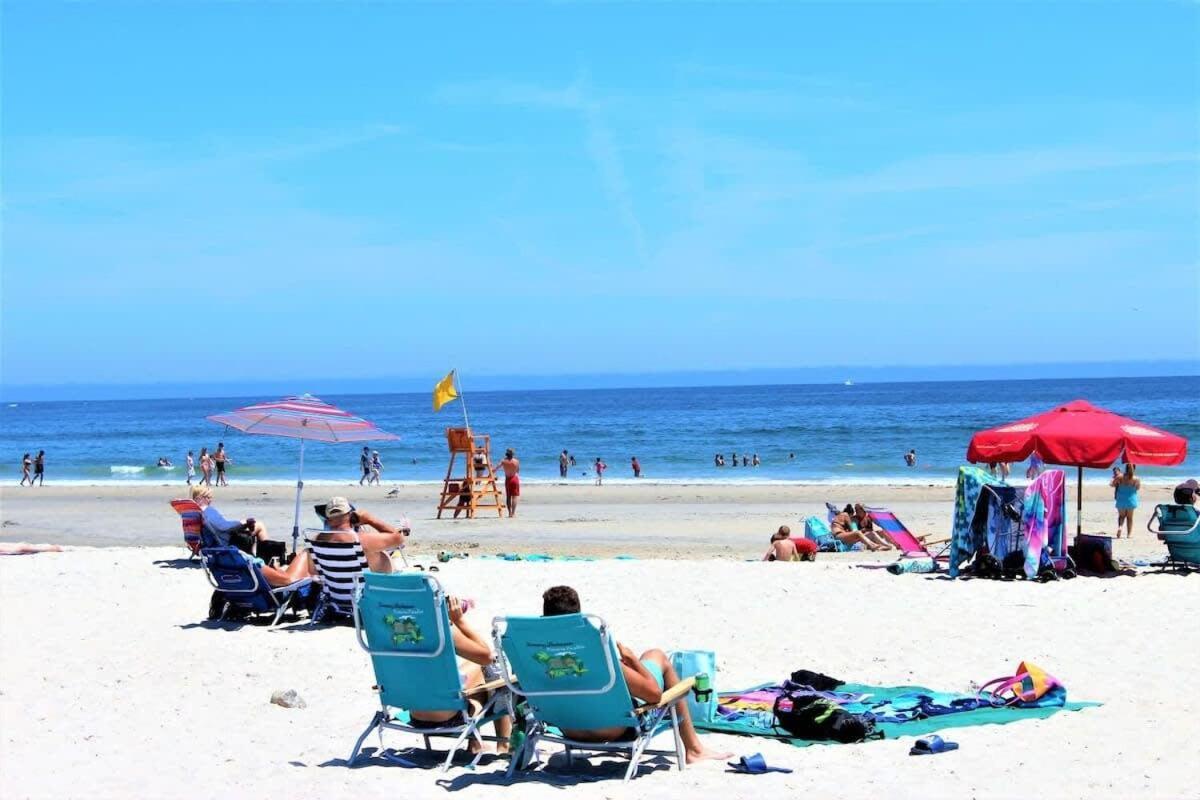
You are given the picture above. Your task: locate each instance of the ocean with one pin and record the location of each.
(813, 433)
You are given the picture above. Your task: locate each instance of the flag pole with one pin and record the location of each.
(461, 398)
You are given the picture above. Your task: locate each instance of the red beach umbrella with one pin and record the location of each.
(304, 418)
(1080, 435)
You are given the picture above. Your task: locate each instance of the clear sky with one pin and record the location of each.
(239, 190)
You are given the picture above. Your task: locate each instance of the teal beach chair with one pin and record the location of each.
(1178, 526)
(403, 623)
(569, 673)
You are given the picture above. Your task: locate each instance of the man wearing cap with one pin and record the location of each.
(377, 537)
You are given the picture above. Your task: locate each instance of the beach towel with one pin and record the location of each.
(1044, 519)
(971, 481)
(896, 710)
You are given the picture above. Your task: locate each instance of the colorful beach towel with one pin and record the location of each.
(896, 710)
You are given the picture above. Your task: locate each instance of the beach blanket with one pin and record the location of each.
(896, 710)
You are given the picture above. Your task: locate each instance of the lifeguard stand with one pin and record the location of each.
(480, 478)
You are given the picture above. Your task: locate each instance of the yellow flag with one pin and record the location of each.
(444, 391)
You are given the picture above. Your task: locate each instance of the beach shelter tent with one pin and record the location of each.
(1079, 435)
(305, 418)
(971, 481)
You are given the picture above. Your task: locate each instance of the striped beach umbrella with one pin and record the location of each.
(304, 418)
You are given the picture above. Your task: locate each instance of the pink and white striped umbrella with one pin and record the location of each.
(304, 417)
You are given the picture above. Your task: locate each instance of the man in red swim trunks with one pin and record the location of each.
(512, 481)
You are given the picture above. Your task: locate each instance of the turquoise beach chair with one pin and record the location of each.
(403, 623)
(570, 677)
(1178, 526)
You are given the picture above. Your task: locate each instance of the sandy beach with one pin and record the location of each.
(114, 684)
(646, 520)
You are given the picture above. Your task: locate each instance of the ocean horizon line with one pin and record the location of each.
(607, 381)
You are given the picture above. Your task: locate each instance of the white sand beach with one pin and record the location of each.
(113, 685)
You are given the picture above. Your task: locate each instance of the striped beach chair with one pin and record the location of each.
(340, 568)
(910, 545)
(193, 525)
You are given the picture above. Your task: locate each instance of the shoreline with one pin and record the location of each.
(646, 520)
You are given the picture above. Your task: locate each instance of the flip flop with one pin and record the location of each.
(932, 745)
(754, 765)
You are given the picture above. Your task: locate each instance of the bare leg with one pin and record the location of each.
(695, 749)
(875, 538)
(282, 577)
(856, 537)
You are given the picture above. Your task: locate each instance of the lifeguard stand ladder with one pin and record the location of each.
(480, 474)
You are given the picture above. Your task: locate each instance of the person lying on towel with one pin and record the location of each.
(647, 678)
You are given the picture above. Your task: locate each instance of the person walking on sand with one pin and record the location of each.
(221, 459)
(1126, 487)
(26, 465)
(191, 468)
(205, 467)
(364, 465)
(564, 464)
(599, 466)
(512, 481)
(637, 467)
(39, 468)
(376, 468)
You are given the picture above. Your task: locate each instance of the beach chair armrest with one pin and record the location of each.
(670, 696)
(489, 686)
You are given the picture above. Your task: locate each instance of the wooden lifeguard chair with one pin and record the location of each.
(480, 478)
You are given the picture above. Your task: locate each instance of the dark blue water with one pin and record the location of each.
(836, 433)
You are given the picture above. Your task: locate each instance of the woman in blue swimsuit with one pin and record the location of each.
(1126, 487)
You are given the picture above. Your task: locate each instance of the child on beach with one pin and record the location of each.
(785, 548)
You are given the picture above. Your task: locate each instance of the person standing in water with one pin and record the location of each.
(1126, 487)
(512, 481)
(221, 459)
(26, 465)
(910, 458)
(599, 466)
(754, 461)
(564, 463)
(637, 467)
(39, 468)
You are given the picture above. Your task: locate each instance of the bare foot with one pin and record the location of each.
(704, 754)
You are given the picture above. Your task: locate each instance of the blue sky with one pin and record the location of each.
(267, 190)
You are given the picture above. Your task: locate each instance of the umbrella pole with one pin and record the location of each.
(1079, 504)
(299, 488)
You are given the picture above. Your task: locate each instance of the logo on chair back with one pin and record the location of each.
(560, 665)
(404, 630)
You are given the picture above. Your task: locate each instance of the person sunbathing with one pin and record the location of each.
(342, 524)
(844, 529)
(862, 518)
(647, 677)
(785, 548)
(243, 534)
(474, 654)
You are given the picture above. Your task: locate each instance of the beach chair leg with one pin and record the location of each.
(680, 756)
(570, 756)
(427, 747)
(375, 722)
(635, 756)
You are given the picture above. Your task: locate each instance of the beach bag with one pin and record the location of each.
(818, 531)
(1093, 553)
(1030, 687)
(696, 662)
(810, 716)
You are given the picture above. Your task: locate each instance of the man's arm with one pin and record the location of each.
(384, 537)
(641, 683)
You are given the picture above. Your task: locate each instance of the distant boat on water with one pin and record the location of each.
(847, 382)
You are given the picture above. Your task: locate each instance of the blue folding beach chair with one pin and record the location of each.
(403, 623)
(570, 677)
(239, 580)
(1177, 526)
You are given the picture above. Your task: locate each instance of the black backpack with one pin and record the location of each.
(809, 716)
